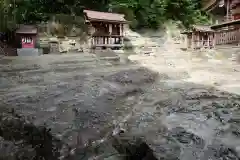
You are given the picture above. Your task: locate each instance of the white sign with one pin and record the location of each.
(27, 40)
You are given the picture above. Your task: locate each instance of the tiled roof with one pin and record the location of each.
(210, 4)
(202, 28)
(104, 16)
(199, 28)
(27, 29)
(234, 22)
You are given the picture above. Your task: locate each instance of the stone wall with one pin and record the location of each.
(29, 52)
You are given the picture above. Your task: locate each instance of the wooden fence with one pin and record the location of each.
(227, 36)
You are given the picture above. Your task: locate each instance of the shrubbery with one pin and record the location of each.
(141, 13)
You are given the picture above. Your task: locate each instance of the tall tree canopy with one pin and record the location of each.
(141, 13)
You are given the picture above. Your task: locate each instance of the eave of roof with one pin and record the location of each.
(104, 16)
(199, 28)
(186, 32)
(26, 29)
(210, 7)
(202, 28)
(225, 24)
(104, 20)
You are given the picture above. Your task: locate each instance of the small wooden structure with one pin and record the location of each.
(106, 29)
(199, 37)
(227, 33)
(26, 36)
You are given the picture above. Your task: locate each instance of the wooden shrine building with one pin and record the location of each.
(225, 33)
(199, 37)
(106, 29)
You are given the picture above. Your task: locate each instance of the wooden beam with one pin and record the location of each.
(193, 41)
(234, 22)
(227, 18)
(121, 27)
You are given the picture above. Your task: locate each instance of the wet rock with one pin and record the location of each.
(163, 103)
(88, 118)
(166, 148)
(217, 105)
(235, 129)
(201, 95)
(32, 141)
(219, 151)
(187, 138)
(80, 49)
(5, 83)
(138, 76)
(222, 115)
(234, 119)
(16, 150)
(19, 68)
(133, 148)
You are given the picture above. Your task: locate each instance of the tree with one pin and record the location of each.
(152, 13)
(141, 13)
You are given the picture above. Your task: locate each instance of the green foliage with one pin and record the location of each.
(141, 13)
(152, 13)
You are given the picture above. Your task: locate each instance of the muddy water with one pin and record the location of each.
(83, 95)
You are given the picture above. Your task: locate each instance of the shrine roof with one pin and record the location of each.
(27, 29)
(104, 16)
(199, 28)
(202, 28)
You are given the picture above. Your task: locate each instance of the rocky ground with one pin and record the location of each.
(183, 106)
(197, 104)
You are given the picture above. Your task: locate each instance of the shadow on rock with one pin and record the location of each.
(22, 140)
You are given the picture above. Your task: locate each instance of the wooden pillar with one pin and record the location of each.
(122, 28)
(227, 16)
(238, 35)
(92, 42)
(213, 39)
(208, 40)
(193, 45)
(199, 39)
(185, 40)
(110, 32)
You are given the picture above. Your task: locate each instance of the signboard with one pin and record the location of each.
(27, 42)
